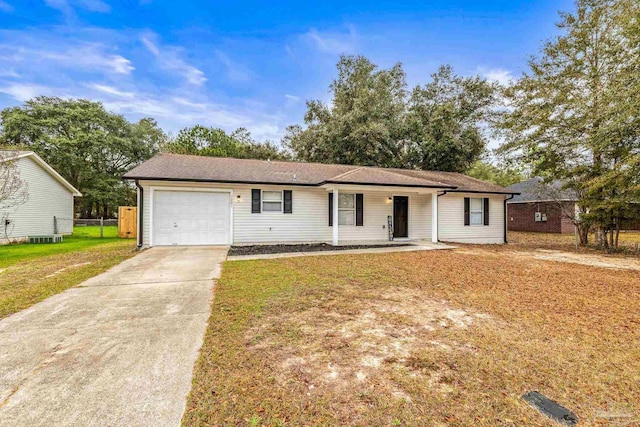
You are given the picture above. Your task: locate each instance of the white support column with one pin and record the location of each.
(335, 217)
(434, 217)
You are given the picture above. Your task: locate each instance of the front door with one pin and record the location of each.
(400, 216)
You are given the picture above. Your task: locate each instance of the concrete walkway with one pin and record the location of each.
(412, 247)
(116, 351)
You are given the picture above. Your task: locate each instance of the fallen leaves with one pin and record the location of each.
(423, 338)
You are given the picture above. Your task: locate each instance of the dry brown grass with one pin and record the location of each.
(422, 338)
(629, 242)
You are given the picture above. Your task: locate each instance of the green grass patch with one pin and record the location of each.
(29, 273)
(82, 238)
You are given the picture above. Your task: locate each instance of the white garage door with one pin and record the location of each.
(191, 218)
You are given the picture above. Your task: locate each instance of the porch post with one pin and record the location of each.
(434, 217)
(335, 217)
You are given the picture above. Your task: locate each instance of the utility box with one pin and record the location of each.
(51, 238)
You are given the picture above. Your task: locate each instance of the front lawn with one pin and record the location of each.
(418, 338)
(82, 238)
(30, 273)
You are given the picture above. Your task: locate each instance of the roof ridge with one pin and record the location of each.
(343, 174)
(402, 172)
(290, 162)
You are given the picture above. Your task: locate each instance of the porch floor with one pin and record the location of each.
(412, 246)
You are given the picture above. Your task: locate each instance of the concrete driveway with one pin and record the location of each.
(117, 350)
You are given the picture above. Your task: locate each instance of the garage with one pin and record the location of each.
(191, 218)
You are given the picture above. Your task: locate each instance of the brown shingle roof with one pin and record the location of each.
(178, 167)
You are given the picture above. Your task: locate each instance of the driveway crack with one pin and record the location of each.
(37, 369)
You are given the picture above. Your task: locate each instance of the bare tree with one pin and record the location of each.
(13, 190)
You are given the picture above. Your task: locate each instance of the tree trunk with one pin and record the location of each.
(611, 238)
(583, 233)
(605, 240)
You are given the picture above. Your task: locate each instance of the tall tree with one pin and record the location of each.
(374, 121)
(500, 175)
(89, 146)
(446, 121)
(364, 125)
(574, 115)
(204, 141)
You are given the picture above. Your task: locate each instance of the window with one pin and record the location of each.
(346, 209)
(272, 201)
(476, 211)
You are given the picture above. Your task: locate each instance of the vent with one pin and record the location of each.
(52, 238)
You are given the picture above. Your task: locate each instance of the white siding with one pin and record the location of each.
(309, 221)
(377, 207)
(47, 198)
(420, 217)
(451, 226)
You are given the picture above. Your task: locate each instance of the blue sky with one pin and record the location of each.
(252, 64)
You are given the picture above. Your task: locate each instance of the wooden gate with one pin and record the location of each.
(127, 222)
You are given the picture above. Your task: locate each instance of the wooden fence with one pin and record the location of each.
(127, 222)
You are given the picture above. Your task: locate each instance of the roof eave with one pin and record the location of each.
(219, 181)
(73, 190)
(304, 184)
(459, 190)
(444, 187)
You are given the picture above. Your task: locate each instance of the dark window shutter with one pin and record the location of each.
(466, 211)
(330, 209)
(255, 201)
(359, 210)
(486, 211)
(288, 202)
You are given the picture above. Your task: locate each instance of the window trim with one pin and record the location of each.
(471, 212)
(353, 209)
(281, 201)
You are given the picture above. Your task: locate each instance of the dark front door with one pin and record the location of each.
(400, 216)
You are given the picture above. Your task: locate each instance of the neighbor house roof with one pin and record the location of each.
(179, 167)
(536, 190)
(12, 155)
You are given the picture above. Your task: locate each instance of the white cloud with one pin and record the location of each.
(36, 54)
(183, 101)
(333, 42)
(9, 73)
(292, 97)
(235, 72)
(289, 51)
(172, 112)
(5, 7)
(170, 59)
(110, 90)
(98, 64)
(25, 91)
(95, 6)
(67, 7)
(119, 64)
(498, 75)
(149, 44)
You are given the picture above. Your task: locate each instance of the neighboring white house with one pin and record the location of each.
(194, 200)
(48, 195)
